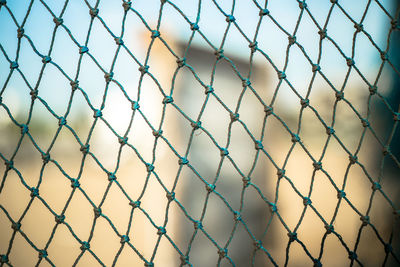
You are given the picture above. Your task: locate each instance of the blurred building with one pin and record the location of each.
(206, 156)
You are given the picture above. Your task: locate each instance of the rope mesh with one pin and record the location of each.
(185, 165)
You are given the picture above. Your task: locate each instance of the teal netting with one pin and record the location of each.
(377, 115)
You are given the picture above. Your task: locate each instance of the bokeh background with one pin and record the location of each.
(264, 169)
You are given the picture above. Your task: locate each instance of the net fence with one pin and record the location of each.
(179, 154)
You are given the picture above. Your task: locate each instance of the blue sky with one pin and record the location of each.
(39, 27)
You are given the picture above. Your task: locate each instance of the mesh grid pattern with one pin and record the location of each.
(222, 249)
